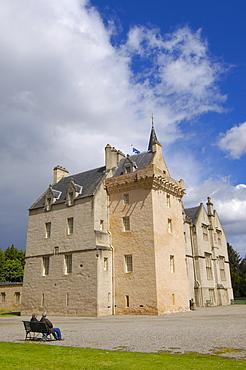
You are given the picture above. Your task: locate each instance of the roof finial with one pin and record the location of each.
(152, 117)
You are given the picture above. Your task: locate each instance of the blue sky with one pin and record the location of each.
(76, 75)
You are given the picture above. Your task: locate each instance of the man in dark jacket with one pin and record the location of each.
(54, 331)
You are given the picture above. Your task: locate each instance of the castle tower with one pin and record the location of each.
(145, 218)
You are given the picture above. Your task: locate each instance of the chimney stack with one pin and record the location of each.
(112, 157)
(59, 172)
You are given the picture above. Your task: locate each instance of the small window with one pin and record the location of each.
(70, 226)
(48, 204)
(42, 300)
(205, 233)
(185, 238)
(128, 263)
(127, 301)
(222, 267)
(126, 198)
(3, 297)
(47, 229)
(17, 297)
(46, 266)
(56, 250)
(101, 226)
(168, 201)
(173, 299)
(128, 169)
(67, 299)
(68, 264)
(208, 262)
(169, 225)
(105, 264)
(126, 222)
(70, 198)
(172, 264)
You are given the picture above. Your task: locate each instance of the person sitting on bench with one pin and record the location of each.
(34, 317)
(54, 331)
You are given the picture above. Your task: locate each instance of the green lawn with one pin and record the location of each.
(41, 356)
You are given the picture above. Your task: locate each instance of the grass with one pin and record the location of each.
(40, 356)
(8, 313)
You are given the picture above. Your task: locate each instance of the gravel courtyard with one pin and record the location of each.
(205, 330)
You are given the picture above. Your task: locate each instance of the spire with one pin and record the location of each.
(153, 136)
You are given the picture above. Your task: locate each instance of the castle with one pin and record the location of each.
(117, 240)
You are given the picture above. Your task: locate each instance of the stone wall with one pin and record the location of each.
(10, 296)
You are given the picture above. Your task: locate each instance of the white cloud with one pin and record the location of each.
(66, 92)
(229, 202)
(234, 141)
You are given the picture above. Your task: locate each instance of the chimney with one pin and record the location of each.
(59, 172)
(210, 207)
(112, 157)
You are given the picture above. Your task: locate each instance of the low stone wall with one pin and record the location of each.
(10, 296)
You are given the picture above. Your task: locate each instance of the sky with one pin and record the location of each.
(78, 75)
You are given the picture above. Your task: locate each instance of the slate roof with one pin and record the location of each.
(140, 160)
(192, 213)
(89, 180)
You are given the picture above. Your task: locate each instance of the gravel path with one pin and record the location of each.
(204, 330)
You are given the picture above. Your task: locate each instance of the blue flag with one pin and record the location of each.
(135, 150)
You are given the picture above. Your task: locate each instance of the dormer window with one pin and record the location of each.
(129, 166)
(70, 198)
(72, 192)
(48, 204)
(51, 196)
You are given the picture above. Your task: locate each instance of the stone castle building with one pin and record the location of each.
(117, 240)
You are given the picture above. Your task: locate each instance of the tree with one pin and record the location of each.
(238, 272)
(12, 271)
(12, 263)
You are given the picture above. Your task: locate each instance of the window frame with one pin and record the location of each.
(68, 261)
(46, 266)
(126, 223)
(47, 230)
(70, 225)
(208, 265)
(128, 263)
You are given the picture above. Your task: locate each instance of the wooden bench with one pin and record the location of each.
(34, 329)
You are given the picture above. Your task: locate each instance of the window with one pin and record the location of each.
(168, 201)
(70, 198)
(17, 297)
(128, 169)
(70, 226)
(169, 225)
(126, 222)
(46, 266)
(67, 299)
(127, 301)
(101, 226)
(3, 297)
(173, 299)
(42, 300)
(222, 267)
(68, 264)
(56, 250)
(47, 229)
(128, 263)
(172, 264)
(205, 232)
(208, 262)
(211, 295)
(185, 238)
(105, 264)
(126, 198)
(48, 204)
